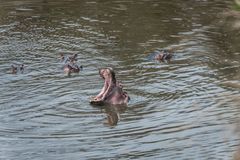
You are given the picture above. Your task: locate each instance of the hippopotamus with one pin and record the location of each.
(162, 55)
(112, 91)
(70, 65)
(16, 68)
(65, 59)
(72, 68)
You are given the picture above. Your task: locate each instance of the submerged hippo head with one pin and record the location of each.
(163, 55)
(72, 68)
(66, 59)
(73, 57)
(112, 92)
(16, 68)
(159, 56)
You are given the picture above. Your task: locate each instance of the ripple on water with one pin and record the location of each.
(185, 109)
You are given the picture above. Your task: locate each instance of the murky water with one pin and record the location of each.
(186, 109)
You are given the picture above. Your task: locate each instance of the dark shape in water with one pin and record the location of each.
(15, 68)
(72, 68)
(161, 55)
(66, 59)
(70, 65)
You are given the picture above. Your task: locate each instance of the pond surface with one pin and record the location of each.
(187, 108)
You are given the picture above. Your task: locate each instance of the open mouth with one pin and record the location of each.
(112, 92)
(105, 73)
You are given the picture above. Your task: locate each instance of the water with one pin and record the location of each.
(185, 109)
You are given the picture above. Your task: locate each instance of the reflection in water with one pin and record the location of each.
(113, 113)
(185, 109)
(112, 118)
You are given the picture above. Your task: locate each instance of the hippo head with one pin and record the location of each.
(107, 74)
(109, 81)
(159, 56)
(111, 92)
(14, 69)
(73, 58)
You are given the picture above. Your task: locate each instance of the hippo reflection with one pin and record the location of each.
(112, 118)
(112, 91)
